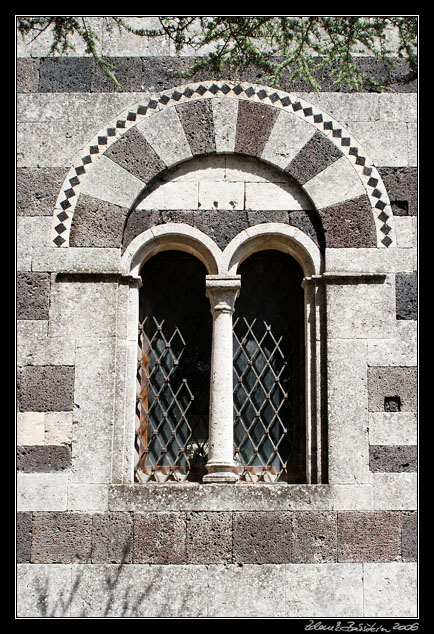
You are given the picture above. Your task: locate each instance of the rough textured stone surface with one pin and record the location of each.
(209, 538)
(37, 189)
(24, 537)
(159, 538)
(33, 295)
(392, 381)
(27, 75)
(97, 223)
(62, 538)
(46, 388)
(42, 459)
(393, 459)
(313, 537)
(198, 123)
(138, 221)
(128, 71)
(406, 295)
(70, 74)
(349, 224)
(317, 154)
(133, 153)
(369, 536)
(221, 225)
(254, 124)
(112, 538)
(262, 537)
(309, 222)
(409, 536)
(401, 185)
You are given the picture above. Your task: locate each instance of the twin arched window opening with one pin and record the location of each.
(174, 387)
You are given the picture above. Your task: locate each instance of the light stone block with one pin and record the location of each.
(29, 46)
(398, 107)
(324, 590)
(35, 348)
(164, 132)
(347, 412)
(390, 590)
(93, 414)
(111, 182)
(248, 591)
(385, 142)
(394, 491)
(402, 350)
(361, 310)
(352, 497)
(204, 168)
(250, 170)
(221, 195)
(338, 182)
(81, 310)
(392, 428)
(30, 428)
(275, 196)
(42, 491)
(413, 151)
(88, 497)
(43, 590)
(76, 259)
(391, 260)
(346, 106)
(406, 231)
(139, 591)
(288, 136)
(58, 428)
(225, 112)
(172, 195)
(23, 244)
(117, 43)
(51, 144)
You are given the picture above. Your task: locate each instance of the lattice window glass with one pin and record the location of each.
(269, 427)
(173, 372)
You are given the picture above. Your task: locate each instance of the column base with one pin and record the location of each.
(220, 473)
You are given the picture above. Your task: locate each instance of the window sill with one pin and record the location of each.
(191, 496)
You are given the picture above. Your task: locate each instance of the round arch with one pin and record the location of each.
(210, 117)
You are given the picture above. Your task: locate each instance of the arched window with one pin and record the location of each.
(173, 375)
(269, 358)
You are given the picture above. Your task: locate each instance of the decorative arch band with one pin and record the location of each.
(221, 117)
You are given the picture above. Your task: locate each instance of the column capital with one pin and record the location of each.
(222, 291)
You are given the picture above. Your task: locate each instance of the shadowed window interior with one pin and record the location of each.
(269, 358)
(173, 375)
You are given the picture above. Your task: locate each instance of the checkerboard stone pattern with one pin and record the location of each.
(155, 135)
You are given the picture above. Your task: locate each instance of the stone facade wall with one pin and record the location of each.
(99, 167)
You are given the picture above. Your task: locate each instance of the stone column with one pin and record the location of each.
(222, 293)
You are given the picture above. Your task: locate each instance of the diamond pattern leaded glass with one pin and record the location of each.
(269, 431)
(173, 372)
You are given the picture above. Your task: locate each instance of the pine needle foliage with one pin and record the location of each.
(302, 47)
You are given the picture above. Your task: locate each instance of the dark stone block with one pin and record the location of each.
(261, 537)
(159, 538)
(27, 75)
(24, 537)
(349, 224)
(198, 124)
(43, 458)
(61, 537)
(33, 295)
(406, 295)
(133, 152)
(409, 536)
(259, 217)
(393, 382)
(392, 459)
(221, 225)
(46, 388)
(69, 74)
(38, 189)
(317, 154)
(310, 223)
(369, 536)
(97, 223)
(254, 124)
(138, 221)
(209, 537)
(127, 70)
(314, 537)
(112, 538)
(401, 186)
